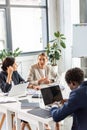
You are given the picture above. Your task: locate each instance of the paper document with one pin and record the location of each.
(32, 91)
(7, 99)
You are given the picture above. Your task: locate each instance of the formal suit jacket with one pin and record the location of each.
(16, 78)
(35, 74)
(77, 105)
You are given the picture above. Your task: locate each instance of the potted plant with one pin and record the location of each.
(4, 53)
(54, 48)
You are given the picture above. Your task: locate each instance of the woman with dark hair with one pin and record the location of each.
(9, 74)
(9, 77)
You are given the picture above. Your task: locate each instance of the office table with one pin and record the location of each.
(8, 109)
(24, 115)
(21, 114)
(27, 117)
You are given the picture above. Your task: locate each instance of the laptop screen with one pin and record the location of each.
(51, 94)
(18, 90)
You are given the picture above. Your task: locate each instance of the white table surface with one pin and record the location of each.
(21, 114)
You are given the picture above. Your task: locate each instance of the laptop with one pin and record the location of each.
(18, 90)
(49, 94)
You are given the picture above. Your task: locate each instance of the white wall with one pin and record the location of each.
(60, 19)
(68, 14)
(52, 17)
(24, 64)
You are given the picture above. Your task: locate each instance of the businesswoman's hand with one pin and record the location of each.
(9, 72)
(44, 81)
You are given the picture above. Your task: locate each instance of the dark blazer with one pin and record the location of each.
(16, 78)
(77, 105)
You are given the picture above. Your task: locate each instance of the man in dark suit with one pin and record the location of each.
(76, 105)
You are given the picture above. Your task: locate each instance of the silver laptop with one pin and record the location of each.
(49, 94)
(18, 90)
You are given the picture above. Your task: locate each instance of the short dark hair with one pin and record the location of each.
(8, 61)
(74, 74)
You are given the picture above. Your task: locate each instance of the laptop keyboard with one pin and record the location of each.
(40, 112)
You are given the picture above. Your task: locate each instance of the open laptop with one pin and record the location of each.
(49, 94)
(18, 90)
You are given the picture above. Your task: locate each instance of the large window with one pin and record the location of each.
(2, 29)
(28, 28)
(26, 24)
(2, 1)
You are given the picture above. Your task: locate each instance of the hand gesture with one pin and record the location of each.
(44, 81)
(10, 72)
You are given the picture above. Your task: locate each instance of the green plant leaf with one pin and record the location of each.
(52, 40)
(53, 49)
(62, 44)
(4, 53)
(57, 55)
(61, 35)
(63, 38)
(9, 53)
(57, 34)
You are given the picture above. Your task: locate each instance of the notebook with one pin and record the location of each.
(49, 94)
(18, 90)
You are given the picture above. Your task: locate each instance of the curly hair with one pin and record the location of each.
(74, 74)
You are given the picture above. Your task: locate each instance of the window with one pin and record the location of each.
(28, 2)
(26, 24)
(28, 28)
(2, 2)
(2, 29)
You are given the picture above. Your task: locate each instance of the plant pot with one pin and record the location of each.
(55, 68)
